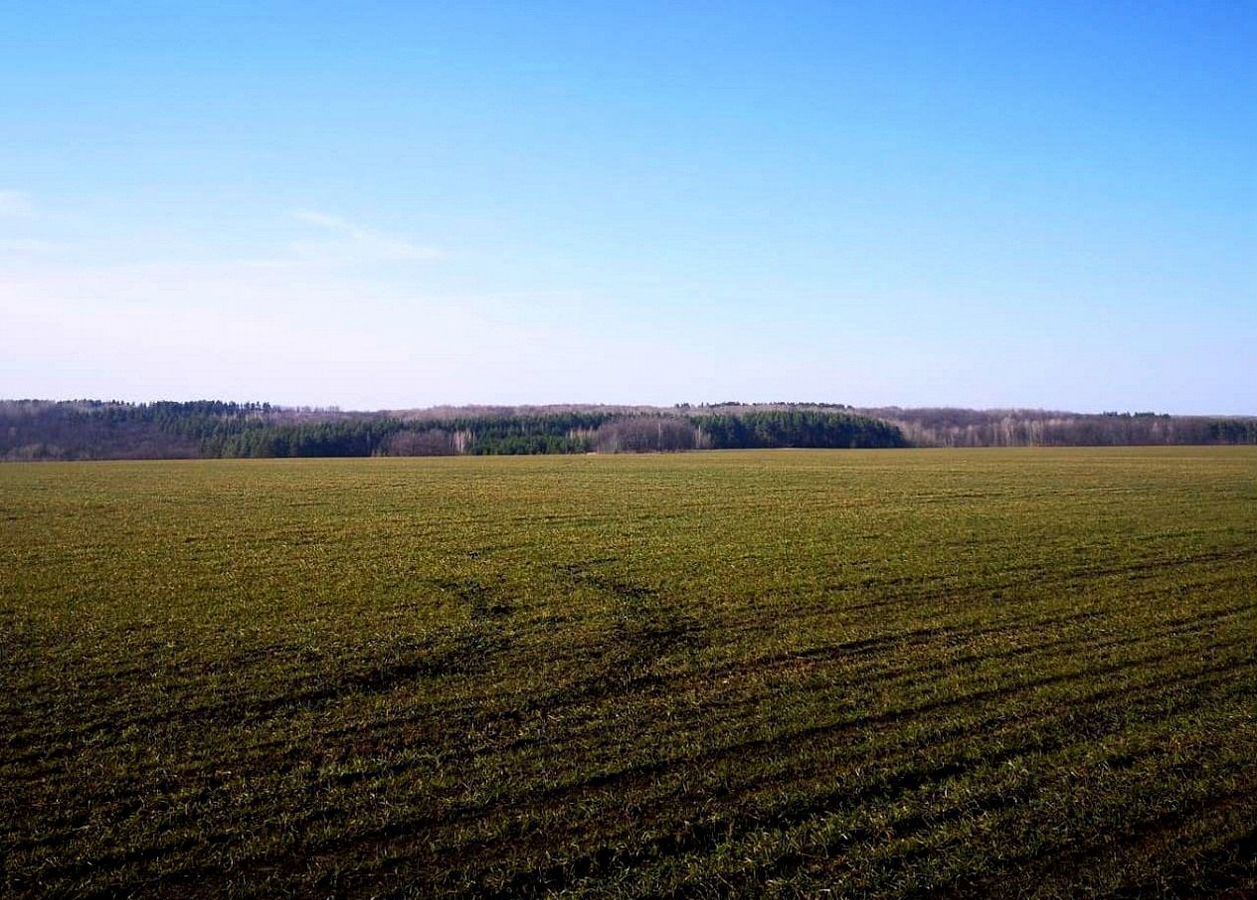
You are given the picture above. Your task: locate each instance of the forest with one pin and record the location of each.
(1045, 428)
(94, 429)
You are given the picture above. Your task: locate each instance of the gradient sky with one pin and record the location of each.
(402, 204)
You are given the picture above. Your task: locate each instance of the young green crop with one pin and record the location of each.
(873, 673)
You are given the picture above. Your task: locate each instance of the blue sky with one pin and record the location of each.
(403, 204)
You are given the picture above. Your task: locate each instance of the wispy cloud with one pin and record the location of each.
(24, 246)
(321, 219)
(15, 203)
(349, 241)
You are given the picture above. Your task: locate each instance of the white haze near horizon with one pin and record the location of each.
(339, 314)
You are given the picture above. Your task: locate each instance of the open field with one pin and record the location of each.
(876, 672)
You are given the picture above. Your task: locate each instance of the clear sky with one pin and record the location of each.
(400, 204)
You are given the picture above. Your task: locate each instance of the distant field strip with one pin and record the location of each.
(839, 673)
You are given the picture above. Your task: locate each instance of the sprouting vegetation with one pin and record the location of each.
(885, 674)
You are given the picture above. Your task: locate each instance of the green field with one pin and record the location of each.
(743, 673)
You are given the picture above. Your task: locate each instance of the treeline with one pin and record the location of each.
(31, 430)
(569, 432)
(795, 428)
(93, 429)
(1043, 428)
(98, 430)
(392, 436)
